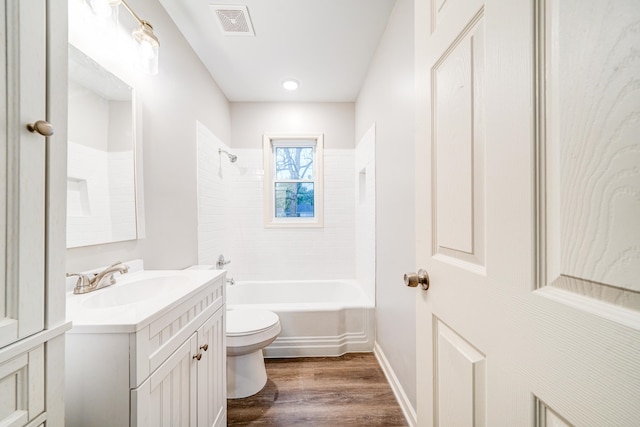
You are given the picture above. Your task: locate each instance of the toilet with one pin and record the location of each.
(248, 332)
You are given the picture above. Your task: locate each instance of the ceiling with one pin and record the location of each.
(326, 45)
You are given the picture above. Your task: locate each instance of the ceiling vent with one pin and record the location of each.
(233, 20)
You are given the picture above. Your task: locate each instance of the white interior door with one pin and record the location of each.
(528, 207)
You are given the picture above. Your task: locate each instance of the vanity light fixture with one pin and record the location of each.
(148, 43)
(290, 84)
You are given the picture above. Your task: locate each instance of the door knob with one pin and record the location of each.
(42, 127)
(421, 278)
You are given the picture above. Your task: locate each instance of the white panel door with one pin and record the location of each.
(528, 212)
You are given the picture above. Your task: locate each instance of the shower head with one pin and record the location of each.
(232, 157)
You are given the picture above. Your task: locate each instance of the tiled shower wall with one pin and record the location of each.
(214, 196)
(261, 253)
(231, 219)
(122, 195)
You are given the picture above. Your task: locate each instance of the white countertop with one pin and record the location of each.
(102, 311)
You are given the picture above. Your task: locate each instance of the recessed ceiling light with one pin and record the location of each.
(290, 84)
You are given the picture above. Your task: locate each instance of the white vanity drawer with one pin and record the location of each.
(152, 345)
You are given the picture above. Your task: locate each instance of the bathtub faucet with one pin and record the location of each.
(221, 262)
(231, 281)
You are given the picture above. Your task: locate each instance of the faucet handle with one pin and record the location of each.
(125, 267)
(83, 281)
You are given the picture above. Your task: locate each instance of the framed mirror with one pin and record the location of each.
(104, 162)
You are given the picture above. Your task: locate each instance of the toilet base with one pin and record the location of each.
(246, 374)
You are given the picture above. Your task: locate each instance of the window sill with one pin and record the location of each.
(294, 224)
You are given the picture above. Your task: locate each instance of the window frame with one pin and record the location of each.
(270, 142)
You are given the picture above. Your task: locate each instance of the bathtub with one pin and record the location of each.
(318, 317)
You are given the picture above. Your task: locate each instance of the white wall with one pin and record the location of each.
(173, 100)
(249, 120)
(387, 99)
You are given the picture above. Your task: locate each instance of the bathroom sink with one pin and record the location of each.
(137, 299)
(132, 292)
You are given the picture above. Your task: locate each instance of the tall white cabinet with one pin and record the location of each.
(32, 212)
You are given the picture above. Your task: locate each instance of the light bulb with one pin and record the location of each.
(290, 84)
(101, 8)
(147, 48)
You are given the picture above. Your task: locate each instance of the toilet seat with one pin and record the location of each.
(247, 322)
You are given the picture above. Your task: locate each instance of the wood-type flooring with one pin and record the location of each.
(346, 391)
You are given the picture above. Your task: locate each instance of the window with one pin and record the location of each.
(293, 180)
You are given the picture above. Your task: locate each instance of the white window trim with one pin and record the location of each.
(270, 221)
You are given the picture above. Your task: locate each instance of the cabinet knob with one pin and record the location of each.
(197, 356)
(204, 347)
(41, 127)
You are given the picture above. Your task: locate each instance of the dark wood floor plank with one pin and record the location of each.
(346, 391)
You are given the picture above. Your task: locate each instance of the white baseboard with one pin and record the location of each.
(407, 409)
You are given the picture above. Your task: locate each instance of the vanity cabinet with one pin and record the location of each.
(32, 213)
(190, 371)
(168, 370)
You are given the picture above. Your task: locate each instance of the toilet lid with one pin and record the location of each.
(243, 322)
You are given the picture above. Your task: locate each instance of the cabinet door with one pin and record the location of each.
(168, 396)
(22, 168)
(212, 374)
(22, 386)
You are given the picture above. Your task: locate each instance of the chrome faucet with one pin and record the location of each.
(99, 280)
(221, 262)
